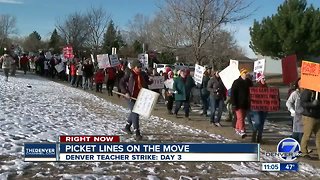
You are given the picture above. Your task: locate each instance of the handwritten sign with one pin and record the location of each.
(264, 99)
(158, 82)
(228, 75)
(145, 102)
(103, 61)
(114, 61)
(310, 75)
(198, 73)
(259, 67)
(59, 67)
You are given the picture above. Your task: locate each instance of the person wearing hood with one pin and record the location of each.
(240, 99)
(259, 117)
(6, 61)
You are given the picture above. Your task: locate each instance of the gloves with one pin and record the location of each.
(293, 112)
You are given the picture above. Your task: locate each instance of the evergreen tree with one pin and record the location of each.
(110, 38)
(33, 42)
(294, 29)
(55, 42)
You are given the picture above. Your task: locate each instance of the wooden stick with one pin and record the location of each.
(317, 93)
(123, 95)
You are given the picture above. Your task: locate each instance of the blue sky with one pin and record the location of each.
(42, 15)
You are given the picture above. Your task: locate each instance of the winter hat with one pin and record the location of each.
(167, 70)
(136, 63)
(259, 77)
(243, 71)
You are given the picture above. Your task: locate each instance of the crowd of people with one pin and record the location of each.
(303, 104)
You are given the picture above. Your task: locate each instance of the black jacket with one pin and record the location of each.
(216, 88)
(309, 109)
(240, 94)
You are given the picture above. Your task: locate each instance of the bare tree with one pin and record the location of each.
(98, 21)
(7, 27)
(75, 30)
(139, 29)
(190, 23)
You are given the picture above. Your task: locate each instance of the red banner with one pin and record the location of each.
(289, 69)
(68, 52)
(264, 99)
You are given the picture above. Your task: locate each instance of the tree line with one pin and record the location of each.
(190, 29)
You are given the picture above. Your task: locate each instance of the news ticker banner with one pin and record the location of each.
(280, 167)
(108, 148)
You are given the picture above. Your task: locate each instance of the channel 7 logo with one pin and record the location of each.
(288, 149)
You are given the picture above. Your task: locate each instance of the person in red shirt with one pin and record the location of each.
(73, 73)
(99, 79)
(111, 72)
(24, 62)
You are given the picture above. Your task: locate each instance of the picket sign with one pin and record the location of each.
(158, 82)
(198, 73)
(59, 67)
(114, 61)
(103, 61)
(145, 103)
(264, 99)
(267, 66)
(228, 75)
(143, 58)
(310, 75)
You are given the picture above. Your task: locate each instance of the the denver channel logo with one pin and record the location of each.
(288, 149)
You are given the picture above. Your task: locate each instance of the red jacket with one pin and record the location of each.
(73, 70)
(111, 73)
(24, 60)
(99, 77)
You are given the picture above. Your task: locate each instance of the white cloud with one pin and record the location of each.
(11, 1)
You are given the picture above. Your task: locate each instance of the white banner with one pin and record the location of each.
(114, 61)
(59, 67)
(103, 61)
(158, 82)
(228, 75)
(145, 102)
(234, 63)
(198, 73)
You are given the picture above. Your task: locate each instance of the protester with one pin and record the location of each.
(6, 61)
(294, 107)
(130, 85)
(169, 95)
(111, 73)
(24, 62)
(15, 64)
(99, 79)
(310, 119)
(87, 69)
(182, 88)
(204, 93)
(217, 97)
(73, 73)
(240, 93)
(259, 117)
(79, 74)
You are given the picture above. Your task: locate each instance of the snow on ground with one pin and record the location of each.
(48, 109)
